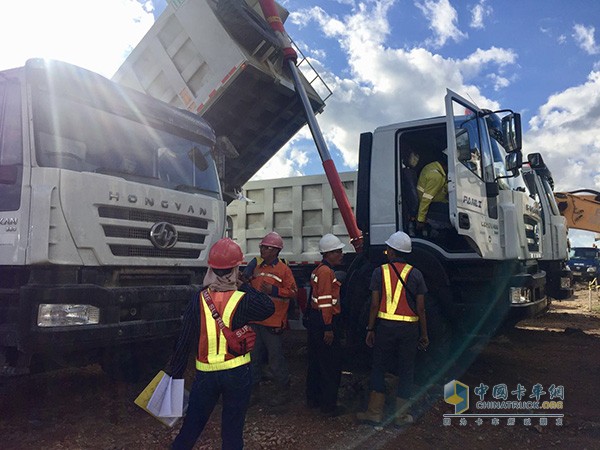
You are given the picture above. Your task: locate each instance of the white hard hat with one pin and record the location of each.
(400, 241)
(329, 243)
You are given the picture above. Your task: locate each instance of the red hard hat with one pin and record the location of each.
(225, 254)
(272, 240)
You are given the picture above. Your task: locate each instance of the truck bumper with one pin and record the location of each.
(127, 315)
(527, 295)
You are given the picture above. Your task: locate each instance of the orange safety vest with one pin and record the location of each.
(212, 345)
(394, 304)
(325, 292)
(274, 275)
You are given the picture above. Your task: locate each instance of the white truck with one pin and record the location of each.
(483, 271)
(110, 198)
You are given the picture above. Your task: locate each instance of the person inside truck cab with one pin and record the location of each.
(410, 159)
(432, 189)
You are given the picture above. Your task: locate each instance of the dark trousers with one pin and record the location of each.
(399, 338)
(324, 365)
(269, 344)
(235, 385)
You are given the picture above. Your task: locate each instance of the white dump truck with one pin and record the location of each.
(110, 198)
(481, 271)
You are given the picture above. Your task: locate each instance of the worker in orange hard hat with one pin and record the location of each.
(219, 371)
(269, 274)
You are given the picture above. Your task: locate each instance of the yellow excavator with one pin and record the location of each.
(581, 209)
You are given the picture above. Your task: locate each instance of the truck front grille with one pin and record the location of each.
(127, 231)
(532, 232)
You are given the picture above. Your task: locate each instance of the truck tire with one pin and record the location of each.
(356, 302)
(437, 361)
(245, 25)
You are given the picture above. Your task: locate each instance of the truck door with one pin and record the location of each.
(472, 191)
(13, 208)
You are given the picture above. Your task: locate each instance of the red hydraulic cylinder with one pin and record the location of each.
(271, 14)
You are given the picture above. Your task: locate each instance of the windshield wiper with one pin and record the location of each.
(195, 190)
(122, 173)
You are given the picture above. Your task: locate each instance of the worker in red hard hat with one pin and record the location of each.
(269, 274)
(397, 325)
(219, 371)
(324, 355)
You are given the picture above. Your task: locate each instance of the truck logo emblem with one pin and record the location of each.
(163, 235)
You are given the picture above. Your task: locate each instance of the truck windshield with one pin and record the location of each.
(583, 253)
(75, 134)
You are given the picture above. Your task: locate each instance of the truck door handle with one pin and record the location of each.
(463, 221)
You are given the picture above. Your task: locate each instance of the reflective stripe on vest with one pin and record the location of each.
(217, 344)
(391, 301)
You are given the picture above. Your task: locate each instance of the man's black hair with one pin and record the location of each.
(222, 272)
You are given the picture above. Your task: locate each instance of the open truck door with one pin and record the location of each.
(472, 189)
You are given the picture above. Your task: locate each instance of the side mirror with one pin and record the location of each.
(491, 189)
(536, 161)
(511, 132)
(514, 161)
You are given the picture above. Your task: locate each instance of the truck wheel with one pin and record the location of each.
(356, 298)
(434, 364)
(245, 25)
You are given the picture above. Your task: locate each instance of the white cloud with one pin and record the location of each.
(94, 35)
(479, 13)
(443, 20)
(565, 131)
(562, 39)
(383, 84)
(499, 82)
(585, 38)
(289, 161)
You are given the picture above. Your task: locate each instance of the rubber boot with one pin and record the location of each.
(402, 416)
(374, 412)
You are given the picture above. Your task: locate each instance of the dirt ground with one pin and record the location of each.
(83, 409)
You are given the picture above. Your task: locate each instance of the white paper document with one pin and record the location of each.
(167, 399)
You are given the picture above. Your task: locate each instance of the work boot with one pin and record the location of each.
(402, 415)
(374, 412)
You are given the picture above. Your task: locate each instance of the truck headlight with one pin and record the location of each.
(592, 269)
(519, 295)
(65, 315)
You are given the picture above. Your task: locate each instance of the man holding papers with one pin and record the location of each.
(219, 372)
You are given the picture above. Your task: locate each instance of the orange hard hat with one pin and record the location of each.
(272, 240)
(225, 254)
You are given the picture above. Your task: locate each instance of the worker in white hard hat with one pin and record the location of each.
(324, 361)
(432, 189)
(397, 323)
(269, 274)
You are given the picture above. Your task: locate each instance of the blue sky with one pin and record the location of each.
(386, 61)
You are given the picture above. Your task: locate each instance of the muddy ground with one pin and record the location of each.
(84, 409)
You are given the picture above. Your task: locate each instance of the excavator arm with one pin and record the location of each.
(580, 208)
